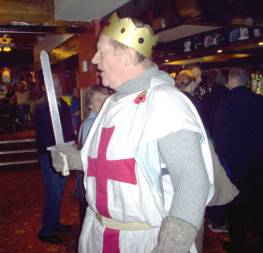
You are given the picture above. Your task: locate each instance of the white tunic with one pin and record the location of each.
(124, 179)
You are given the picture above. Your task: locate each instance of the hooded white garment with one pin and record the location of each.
(130, 126)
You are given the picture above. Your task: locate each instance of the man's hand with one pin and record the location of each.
(175, 236)
(65, 154)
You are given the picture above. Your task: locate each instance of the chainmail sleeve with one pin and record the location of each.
(181, 152)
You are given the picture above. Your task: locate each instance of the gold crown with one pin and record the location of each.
(124, 31)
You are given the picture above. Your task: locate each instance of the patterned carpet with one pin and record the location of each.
(23, 134)
(21, 206)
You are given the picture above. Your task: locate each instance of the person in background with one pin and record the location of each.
(96, 96)
(211, 100)
(216, 214)
(95, 99)
(196, 70)
(22, 97)
(53, 182)
(238, 139)
(8, 103)
(147, 165)
(187, 82)
(75, 110)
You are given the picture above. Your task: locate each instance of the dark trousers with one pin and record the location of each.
(245, 212)
(54, 184)
(79, 193)
(237, 219)
(22, 111)
(217, 215)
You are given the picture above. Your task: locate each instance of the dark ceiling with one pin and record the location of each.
(226, 14)
(175, 12)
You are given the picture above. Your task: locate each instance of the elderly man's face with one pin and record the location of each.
(110, 62)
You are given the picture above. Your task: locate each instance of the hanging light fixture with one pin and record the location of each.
(6, 43)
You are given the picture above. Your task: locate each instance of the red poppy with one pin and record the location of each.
(141, 98)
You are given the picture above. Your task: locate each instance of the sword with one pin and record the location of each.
(53, 107)
(51, 96)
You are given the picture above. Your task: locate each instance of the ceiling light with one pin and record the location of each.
(210, 58)
(5, 40)
(219, 51)
(260, 43)
(166, 60)
(7, 49)
(6, 43)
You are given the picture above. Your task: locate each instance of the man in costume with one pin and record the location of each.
(147, 163)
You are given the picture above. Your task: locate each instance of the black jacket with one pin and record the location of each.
(44, 130)
(238, 126)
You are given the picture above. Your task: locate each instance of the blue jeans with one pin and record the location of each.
(54, 184)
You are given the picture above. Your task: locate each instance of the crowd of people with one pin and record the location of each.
(152, 159)
(231, 115)
(16, 105)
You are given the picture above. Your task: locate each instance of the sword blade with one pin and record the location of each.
(51, 96)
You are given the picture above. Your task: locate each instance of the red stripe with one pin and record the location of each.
(111, 241)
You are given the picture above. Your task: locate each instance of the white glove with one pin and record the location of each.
(175, 236)
(65, 157)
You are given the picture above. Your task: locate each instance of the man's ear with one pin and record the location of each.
(130, 57)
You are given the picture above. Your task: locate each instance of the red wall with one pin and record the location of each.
(87, 48)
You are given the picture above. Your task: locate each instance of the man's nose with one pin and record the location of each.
(94, 59)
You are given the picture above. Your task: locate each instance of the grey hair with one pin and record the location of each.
(239, 74)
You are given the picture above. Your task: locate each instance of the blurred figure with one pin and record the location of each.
(187, 82)
(53, 182)
(95, 98)
(8, 103)
(22, 97)
(211, 100)
(8, 110)
(196, 70)
(238, 139)
(75, 110)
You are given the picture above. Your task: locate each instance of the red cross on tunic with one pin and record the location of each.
(103, 170)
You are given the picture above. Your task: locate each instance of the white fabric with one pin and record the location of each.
(137, 127)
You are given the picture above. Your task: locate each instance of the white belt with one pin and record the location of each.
(113, 224)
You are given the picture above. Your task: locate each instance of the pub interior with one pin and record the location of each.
(216, 35)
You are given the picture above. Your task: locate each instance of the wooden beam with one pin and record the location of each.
(28, 11)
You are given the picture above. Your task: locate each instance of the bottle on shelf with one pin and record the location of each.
(256, 82)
